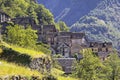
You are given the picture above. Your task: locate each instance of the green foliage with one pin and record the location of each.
(19, 8)
(89, 67)
(61, 26)
(15, 57)
(41, 15)
(57, 56)
(23, 37)
(113, 63)
(44, 15)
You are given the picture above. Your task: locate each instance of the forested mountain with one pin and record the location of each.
(102, 23)
(69, 11)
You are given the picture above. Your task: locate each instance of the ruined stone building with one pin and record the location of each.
(65, 43)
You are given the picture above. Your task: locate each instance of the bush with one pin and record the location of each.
(49, 77)
(57, 56)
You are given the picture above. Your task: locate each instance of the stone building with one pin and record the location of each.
(4, 17)
(24, 21)
(65, 43)
(102, 49)
(70, 43)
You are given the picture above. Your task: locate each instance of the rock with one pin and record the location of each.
(41, 64)
(6, 77)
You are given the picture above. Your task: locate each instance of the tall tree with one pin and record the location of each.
(89, 68)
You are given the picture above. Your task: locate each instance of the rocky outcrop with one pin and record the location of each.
(41, 64)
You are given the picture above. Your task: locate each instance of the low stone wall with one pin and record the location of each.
(66, 64)
(41, 64)
(19, 77)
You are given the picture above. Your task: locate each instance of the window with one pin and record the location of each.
(100, 49)
(106, 49)
(91, 44)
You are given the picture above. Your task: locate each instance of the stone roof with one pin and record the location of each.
(48, 26)
(62, 44)
(65, 33)
(24, 17)
(77, 35)
(73, 35)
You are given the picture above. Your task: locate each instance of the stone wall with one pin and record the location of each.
(66, 64)
(19, 77)
(41, 64)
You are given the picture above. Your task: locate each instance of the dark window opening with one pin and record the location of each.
(100, 49)
(106, 49)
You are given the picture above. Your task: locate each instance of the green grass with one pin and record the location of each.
(59, 74)
(12, 69)
(21, 50)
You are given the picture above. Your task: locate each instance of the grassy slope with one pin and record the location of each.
(13, 69)
(21, 50)
(58, 73)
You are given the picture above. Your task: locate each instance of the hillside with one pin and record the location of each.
(102, 23)
(13, 58)
(69, 11)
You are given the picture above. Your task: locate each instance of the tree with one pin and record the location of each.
(113, 62)
(89, 68)
(23, 37)
(44, 15)
(61, 26)
(31, 11)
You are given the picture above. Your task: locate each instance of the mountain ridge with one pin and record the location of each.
(71, 10)
(102, 23)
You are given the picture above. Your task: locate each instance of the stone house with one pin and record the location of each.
(102, 49)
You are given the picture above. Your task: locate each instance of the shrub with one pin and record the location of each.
(49, 77)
